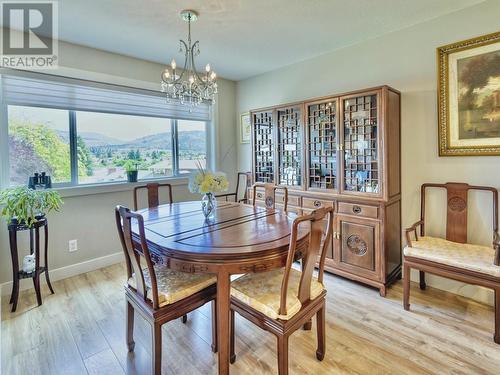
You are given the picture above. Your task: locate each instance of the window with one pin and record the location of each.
(82, 132)
(105, 142)
(192, 145)
(40, 140)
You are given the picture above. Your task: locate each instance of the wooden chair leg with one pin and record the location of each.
(232, 355)
(156, 350)
(406, 287)
(184, 319)
(283, 355)
(496, 338)
(423, 285)
(320, 323)
(130, 327)
(214, 326)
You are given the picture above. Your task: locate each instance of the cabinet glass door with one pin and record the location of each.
(290, 146)
(360, 136)
(322, 145)
(263, 146)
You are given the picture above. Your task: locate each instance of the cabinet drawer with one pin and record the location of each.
(315, 203)
(358, 210)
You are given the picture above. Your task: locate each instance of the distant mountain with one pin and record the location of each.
(95, 139)
(188, 140)
(91, 139)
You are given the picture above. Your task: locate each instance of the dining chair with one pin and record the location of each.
(454, 257)
(246, 177)
(269, 194)
(158, 293)
(283, 300)
(153, 189)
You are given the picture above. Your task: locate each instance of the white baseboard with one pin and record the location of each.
(68, 271)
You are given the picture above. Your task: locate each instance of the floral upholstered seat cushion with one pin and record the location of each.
(262, 291)
(174, 286)
(470, 257)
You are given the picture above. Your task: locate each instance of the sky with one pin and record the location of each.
(121, 127)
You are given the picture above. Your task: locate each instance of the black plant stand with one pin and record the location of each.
(34, 248)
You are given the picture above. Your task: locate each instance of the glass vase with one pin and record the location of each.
(208, 204)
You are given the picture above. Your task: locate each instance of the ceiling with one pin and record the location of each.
(240, 38)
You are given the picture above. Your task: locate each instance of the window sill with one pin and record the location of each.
(106, 188)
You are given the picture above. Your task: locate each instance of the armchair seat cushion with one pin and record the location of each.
(174, 286)
(262, 291)
(475, 258)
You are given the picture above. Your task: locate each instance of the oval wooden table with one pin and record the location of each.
(239, 239)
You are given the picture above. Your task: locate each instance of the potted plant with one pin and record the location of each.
(131, 169)
(22, 205)
(207, 183)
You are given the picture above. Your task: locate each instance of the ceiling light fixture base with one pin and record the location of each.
(189, 15)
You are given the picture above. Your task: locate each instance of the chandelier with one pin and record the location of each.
(188, 86)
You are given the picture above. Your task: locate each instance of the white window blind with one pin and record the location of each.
(26, 88)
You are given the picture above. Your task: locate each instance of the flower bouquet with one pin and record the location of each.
(207, 183)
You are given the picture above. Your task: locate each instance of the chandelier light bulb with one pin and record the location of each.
(166, 74)
(213, 75)
(191, 79)
(173, 64)
(207, 68)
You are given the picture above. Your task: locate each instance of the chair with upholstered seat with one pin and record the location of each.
(283, 300)
(269, 195)
(453, 257)
(158, 293)
(153, 190)
(245, 176)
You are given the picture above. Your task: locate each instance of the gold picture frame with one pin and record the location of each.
(245, 128)
(469, 97)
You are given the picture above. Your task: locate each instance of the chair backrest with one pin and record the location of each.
(247, 179)
(153, 194)
(309, 255)
(270, 194)
(456, 212)
(133, 253)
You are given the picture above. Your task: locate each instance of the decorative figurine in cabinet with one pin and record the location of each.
(341, 151)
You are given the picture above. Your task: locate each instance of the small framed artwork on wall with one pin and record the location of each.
(469, 97)
(245, 128)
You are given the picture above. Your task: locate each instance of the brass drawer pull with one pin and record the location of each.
(356, 209)
(317, 204)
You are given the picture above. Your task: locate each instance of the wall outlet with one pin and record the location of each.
(73, 245)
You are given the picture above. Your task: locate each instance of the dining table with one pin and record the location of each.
(238, 239)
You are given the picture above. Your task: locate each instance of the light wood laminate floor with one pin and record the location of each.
(81, 329)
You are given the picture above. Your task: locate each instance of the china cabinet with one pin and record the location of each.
(340, 151)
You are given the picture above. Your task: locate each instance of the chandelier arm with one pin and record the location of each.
(203, 83)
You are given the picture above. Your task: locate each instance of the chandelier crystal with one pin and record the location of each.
(188, 86)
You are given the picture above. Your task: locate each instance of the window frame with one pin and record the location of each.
(73, 133)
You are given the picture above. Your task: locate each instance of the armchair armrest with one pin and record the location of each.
(496, 246)
(413, 229)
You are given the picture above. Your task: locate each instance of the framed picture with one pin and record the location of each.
(245, 128)
(469, 97)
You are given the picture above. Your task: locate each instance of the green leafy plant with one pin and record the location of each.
(130, 166)
(26, 205)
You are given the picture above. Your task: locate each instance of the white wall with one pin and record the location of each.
(90, 218)
(405, 60)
